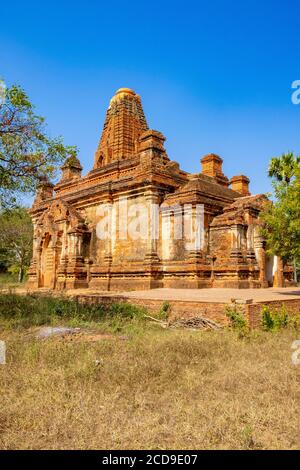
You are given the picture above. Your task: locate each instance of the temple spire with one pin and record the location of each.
(125, 122)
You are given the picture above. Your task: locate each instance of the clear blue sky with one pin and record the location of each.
(213, 76)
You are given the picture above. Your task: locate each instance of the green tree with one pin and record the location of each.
(27, 154)
(282, 219)
(16, 240)
(284, 168)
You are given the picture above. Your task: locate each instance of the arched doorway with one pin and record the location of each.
(271, 268)
(100, 161)
(58, 251)
(47, 263)
(50, 259)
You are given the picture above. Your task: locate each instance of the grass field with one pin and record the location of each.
(140, 386)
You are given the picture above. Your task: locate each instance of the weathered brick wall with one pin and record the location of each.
(182, 309)
(220, 244)
(253, 311)
(178, 309)
(122, 250)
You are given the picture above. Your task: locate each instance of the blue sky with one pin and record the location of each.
(213, 76)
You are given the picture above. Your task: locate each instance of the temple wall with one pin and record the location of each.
(220, 243)
(171, 245)
(128, 239)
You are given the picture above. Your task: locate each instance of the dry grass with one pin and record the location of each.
(158, 389)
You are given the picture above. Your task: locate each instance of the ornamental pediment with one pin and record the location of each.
(59, 212)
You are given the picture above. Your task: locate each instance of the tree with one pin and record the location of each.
(282, 219)
(284, 168)
(16, 240)
(27, 154)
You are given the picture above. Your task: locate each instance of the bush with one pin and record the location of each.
(274, 320)
(126, 310)
(267, 319)
(236, 317)
(164, 311)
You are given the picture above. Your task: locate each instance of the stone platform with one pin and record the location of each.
(209, 303)
(216, 295)
(185, 303)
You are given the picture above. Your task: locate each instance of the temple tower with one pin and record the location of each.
(125, 122)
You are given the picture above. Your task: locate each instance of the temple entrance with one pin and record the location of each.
(57, 258)
(271, 267)
(47, 263)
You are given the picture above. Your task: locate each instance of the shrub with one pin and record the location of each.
(267, 319)
(274, 320)
(126, 310)
(164, 311)
(236, 317)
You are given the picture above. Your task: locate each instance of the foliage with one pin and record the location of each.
(274, 320)
(27, 153)
(9, 280)
(16, 240)
(164, 311)
(283, 168)
(236, 317)
(267, 319)
(126, 310)
(30, 310)
(281, 220)
(298, 269)
(72, 161)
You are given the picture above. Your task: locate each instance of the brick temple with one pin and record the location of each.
(131, 164)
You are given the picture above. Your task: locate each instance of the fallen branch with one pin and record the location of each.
(198, 323)
(193, 323)
(156, 319)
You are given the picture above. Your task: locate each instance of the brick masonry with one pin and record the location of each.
(187, 309)
(253, 311)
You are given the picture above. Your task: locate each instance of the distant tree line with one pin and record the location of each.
(16, 235)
